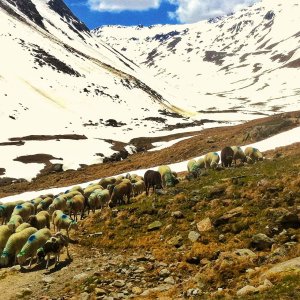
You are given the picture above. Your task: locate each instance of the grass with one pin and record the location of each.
(262, 190)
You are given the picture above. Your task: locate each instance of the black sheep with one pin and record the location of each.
(227, 156)
(152, 179)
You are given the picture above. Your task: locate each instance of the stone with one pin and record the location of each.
(136, 290)
(236, 212)
(292, 265)
(85, 296)
(164, 272)
(265, 286)
(193, 236)
(246, 290)
(154, 226)
(119, 283)
(204, 225)
(48, 279)
(245, 252)
(169, 280)
(177, 214)
(176, 241)
(261, 242)
(80, 276)
(100, 292)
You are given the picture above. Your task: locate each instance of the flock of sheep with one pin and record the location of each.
(25, 230)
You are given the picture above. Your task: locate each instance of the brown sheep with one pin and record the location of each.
(152, 179)
(119, 191)
(227, 157)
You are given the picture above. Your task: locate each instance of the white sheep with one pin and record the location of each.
(138, 187)
(211, 160)
(253, 154)
(238, 153)
(5, 233)
(40, 220)
(167, 176)
(33, 243)
(23, 226)
(75, 204)
(14, 244)
(24, 210)
(193, 168)
(59, 203)
(14, 222)
(36, 202)
(44, 204)
(63, 221)
(201, 162)
(98, 199)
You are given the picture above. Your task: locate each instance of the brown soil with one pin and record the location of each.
(200, 143)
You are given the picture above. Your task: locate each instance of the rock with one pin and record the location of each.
(245, 252)
(246, 290)
(192, 292)
(24, 292)
(205, 225)
(289, 220)
(15, 268)
(136, 290)
(119, 283)
(48, 279)
(164, 272)
(170, 280)
(193, 236)
(80, 276)
(100, 292)
(261, 242)
(292, 265)
(176, 241)
(236, 212)
(265, 286)
(177, 214)
(85, 296)
(154, 226)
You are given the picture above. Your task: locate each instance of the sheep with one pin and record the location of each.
(54, 246)
(253, 154)
(98, 199)
(201, 162)
(14, 245)
(33, 243)
(23, 226)
(5, 233)
(104, 182)
(36, 202)
(6, 211)
(44, 204)
(24, 210)
(193, 168)
(122, 189)
(89, 189)
(62, 221)
(227, 157)
(75, 205)
(135, 178)
(59, 202)
(14, 222)
(40, 220)
(168, 178)
(77, 189)
(119, 179)
(211, 160)
(138, 187)
(152, 179)
(238, 153)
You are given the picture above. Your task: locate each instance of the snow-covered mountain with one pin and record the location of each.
(68, 95)
(64, 95)
(247, 61)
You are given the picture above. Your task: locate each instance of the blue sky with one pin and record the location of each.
(95, 13)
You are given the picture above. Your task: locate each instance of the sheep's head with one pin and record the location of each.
(4, 259)
(73, 225)
(2, 210)
(214, 165)
(21, 257)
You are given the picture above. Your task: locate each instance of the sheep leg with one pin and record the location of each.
(30, 262)
(68, 253)
(48, 259)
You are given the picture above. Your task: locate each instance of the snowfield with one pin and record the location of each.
(279, 140)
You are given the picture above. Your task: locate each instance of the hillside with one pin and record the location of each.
(214, 236)
(246, 62)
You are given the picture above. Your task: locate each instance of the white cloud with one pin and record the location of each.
(190, 11)
(121, 5)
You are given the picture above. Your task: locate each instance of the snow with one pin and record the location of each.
(279, 140)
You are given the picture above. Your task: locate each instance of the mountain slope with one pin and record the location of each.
(248, 61)
(57, 79)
